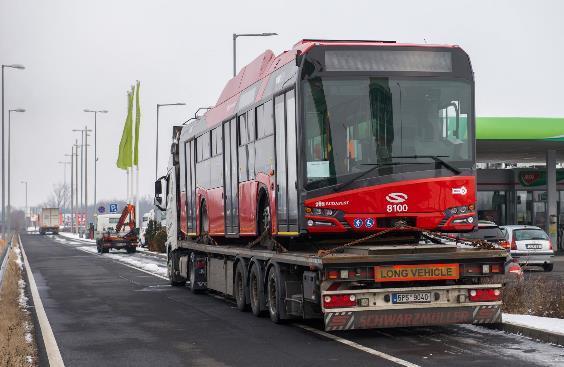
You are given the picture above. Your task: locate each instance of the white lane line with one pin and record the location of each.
(352, 344)
(53, 352)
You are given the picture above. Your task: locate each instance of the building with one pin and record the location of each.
(511, 194)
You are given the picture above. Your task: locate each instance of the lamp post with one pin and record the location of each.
(71, 156)
(26, 213)
(157, 138)
(84, 170)
(236, 35)
(10, 163)
(13, 66)
(95, 112)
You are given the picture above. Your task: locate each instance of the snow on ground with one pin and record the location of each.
(73, 236)
(550, 324)
(140, 261)
(517, 346)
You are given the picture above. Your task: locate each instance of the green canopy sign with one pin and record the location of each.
(520, 128)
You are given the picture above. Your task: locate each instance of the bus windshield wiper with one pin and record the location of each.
(374, 166)
(437, 159)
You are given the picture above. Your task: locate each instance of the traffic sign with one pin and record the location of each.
(101, 209)
(113, 208)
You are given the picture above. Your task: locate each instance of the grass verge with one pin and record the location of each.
(17, 345)
(536, 296)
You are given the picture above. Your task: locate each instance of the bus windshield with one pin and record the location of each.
(352, 125)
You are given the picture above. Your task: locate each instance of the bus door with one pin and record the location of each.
(230, 178)
(286, 164)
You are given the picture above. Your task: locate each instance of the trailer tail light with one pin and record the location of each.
(200, 264)
(513, 244)
(515, 268)
(339, 301)
(484, 295)
(333, 274)
(496, 268)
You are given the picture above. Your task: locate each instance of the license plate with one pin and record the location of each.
(407, 273)
(422, 297)
(534, 246)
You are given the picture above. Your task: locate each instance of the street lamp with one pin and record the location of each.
(65, 182)
(235, 35)
(12, 66)
(95, 112)
(157, 139)
(10, 163)
(26, 213)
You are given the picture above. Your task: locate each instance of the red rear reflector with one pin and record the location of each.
(484, 295)
(495, 268)
(339, 300)
(550, 245)
(333, 274)
(516, 269)
(200, 264)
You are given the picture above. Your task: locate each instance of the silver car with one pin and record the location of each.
(530, 245)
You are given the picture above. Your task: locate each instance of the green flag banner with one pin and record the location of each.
(137, 124)
(124, 160)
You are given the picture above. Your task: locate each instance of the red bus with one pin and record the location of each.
(334, 138)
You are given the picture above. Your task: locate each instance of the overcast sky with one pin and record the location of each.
(85, 54)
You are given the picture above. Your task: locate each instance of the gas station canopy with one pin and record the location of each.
(518, 139)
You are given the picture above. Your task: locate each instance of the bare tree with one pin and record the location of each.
(60, 196)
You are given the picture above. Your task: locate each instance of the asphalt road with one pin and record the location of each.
(104, 313)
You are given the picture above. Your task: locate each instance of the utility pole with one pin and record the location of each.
(76, 145)
(72, 187)
(26, 213)
(95, 112)
(84, 172)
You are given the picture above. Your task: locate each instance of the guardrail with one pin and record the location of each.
(4, 259)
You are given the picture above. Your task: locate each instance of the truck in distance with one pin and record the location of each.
(307, 190)
(110, 231)
(49, 221)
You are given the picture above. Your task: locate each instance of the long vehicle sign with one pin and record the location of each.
(406, 273)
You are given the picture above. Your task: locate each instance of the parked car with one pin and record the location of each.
(530, 245)
(491, 232)
(488, 231)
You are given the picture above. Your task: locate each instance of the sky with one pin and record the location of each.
(86, 54)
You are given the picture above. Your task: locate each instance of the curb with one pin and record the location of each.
(537, 334)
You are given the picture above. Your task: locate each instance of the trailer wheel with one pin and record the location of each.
(256, 290)
(131, 250)
(240, 288)
(275, 293)
(172, 271)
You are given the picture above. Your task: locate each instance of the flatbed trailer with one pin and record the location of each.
(451, 284)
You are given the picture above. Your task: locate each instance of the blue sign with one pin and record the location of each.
(101, 209)
(113, 208)
(357, 223)
(369, 222)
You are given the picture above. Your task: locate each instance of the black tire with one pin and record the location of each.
(275, 293)
(256, 291)
(240, 289)
(131, 250)
(204, 219)
(548, 267)
(105, 250)
(264, 221)
(172, 271)
(98, 247)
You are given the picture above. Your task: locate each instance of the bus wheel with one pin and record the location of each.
(204, 220)
(240, 288)
(275, 293)
(256, 290)
(264, 220)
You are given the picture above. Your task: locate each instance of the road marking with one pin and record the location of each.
(53, 352)
(352, 344)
